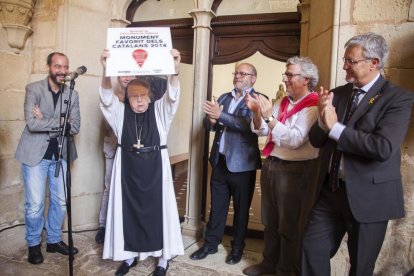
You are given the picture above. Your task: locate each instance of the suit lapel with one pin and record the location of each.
(242, 103)
(365, 104)
(229, 97)
(343, 102)
(48, 98)
(57, 109)
(226, 101)
(47, 95)
(65, 96)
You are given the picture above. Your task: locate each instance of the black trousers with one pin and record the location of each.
(288, 192)
(225, 185)
(330, 220)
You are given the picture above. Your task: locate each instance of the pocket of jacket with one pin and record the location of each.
(382, 177)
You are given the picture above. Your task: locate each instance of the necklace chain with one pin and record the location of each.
(138, 144)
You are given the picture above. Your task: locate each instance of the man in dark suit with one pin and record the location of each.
(360, 130)
(38, 151)
(234, 158)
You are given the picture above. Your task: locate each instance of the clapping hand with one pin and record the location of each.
(213, 110)
(252, 102)
(326, 109)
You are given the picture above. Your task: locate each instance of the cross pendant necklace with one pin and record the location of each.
(138, 145)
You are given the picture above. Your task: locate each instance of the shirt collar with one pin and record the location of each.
(293, 101)
(233, 92)
(368, 86)
(50, 88)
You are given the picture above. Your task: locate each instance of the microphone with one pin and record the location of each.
(73, 75)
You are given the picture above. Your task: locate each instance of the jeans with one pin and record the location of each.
(34, 178)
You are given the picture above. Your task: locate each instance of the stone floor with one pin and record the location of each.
(13, 258)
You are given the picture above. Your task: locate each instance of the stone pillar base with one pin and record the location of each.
(190, 229)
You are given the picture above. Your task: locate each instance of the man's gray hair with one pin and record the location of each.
(373, 45)
(308, 69)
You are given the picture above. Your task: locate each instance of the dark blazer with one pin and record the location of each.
(242, 149)
(37, 133)
(371, 149)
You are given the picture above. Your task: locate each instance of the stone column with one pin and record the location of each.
(117, 14)
(14, 17)
(304, 10)
(335, 43)
(202, 18)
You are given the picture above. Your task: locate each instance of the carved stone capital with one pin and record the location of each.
(15, 15)
(304, 10)
(17, 36)
(202, 18)
(118, 23)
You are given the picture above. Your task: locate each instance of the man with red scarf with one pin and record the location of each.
(287, 174)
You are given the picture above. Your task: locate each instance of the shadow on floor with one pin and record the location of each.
(13, 258)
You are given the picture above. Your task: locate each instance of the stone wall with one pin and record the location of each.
(317, 35)
(64, 27)
(15, 69)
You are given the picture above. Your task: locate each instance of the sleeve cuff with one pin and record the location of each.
(336, 131)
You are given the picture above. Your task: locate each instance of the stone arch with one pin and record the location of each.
(118, 12)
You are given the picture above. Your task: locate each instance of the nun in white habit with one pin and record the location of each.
(142, 218)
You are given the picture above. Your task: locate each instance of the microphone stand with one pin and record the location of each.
(61, 140)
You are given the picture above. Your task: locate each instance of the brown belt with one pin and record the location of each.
(276, 159)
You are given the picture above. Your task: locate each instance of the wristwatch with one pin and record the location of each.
(268, 120)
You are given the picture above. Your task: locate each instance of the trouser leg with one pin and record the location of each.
(57, 202)
(323, 235)
(291, 192)
(364, 245)
(105, 195)
(242, 188)
(34, 179)
(269, 214)
(220, 200)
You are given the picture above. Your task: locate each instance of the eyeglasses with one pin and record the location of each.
(242, 74)
(351, 62)
(289, 76)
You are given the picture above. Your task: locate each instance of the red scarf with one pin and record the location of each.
(309, 100)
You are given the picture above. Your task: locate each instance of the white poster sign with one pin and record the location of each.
(139, 51)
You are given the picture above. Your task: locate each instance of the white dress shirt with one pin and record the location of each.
(291, 139)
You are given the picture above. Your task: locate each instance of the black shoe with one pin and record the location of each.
(203, 252)
(60, 247)
(124, 268)
(234, 257)
(258, 269)
(100, 236)
(160, 271)
(35, 255)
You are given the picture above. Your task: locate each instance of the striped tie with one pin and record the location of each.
(337, 154)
